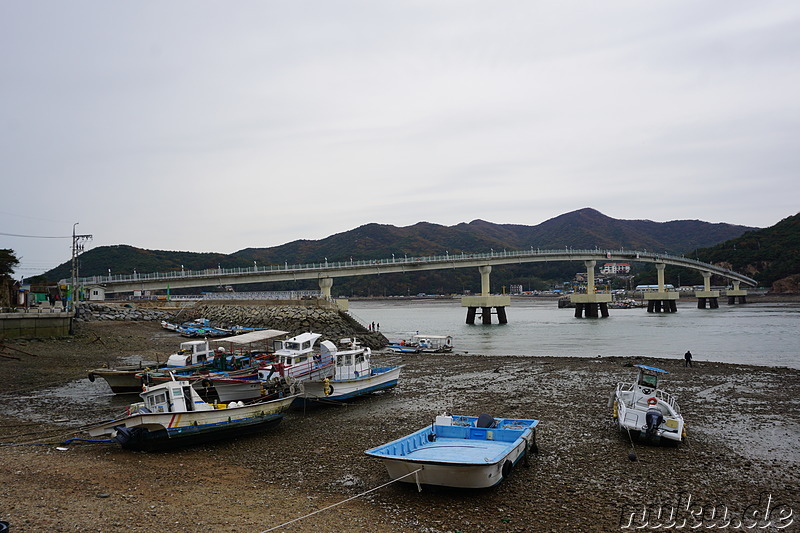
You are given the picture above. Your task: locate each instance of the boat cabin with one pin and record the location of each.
(191, 353)
(173, 397)
(299, 344)
(295, 357)
(433, 342)
(353, 363)
(648, 376)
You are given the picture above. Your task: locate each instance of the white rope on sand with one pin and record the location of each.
(343, 501)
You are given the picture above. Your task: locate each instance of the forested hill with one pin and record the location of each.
(770, 255)
(585, 228)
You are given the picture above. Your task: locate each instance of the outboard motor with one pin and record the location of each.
(653, 419)
(485, 421)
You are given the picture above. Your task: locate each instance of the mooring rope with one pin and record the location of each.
(632, 455)
(345, 501)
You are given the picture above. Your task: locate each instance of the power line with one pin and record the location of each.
(34, 236)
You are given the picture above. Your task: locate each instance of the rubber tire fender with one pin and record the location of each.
(507, 468)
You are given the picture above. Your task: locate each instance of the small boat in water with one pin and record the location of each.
(173, 414)
(433, 343)
(460, 451)
(403, 346)
(645, 411)
(420, 343)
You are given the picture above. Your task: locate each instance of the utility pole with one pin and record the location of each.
(77, 248)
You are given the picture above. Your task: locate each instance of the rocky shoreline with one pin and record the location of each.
(741, 448)
(295, 319)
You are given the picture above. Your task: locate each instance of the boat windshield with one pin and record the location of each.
(648, 380)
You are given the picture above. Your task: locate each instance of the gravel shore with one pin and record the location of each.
(741, 450)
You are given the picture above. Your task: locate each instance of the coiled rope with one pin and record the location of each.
(419, 487)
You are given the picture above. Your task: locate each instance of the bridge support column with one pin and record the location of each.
(707, 296)
(662, 301)
(735, 293)
(591, 304)
(486, 301)
(325, 285)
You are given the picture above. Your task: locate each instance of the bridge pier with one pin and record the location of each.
(661, 301)
(591, 304)
(325, 285)
(486, 302)
(735, 293)
(707, 296)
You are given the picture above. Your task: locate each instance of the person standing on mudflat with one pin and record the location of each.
(688, 358)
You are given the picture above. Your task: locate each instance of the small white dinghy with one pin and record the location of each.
(645, 411)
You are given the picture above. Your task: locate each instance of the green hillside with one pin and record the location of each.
(771, 255)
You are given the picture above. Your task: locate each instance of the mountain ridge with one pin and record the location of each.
(584, 228)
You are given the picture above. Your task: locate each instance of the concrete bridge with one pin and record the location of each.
(326, 271)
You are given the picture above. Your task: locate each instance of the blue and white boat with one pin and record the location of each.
(173, 414)
(645, 411)
(459, 451)
(353, 376)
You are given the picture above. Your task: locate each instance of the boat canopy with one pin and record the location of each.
(651, 368)
(254, 336)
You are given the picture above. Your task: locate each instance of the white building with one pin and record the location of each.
(615, 268)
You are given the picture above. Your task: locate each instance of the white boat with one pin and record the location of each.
(295, 358)
(645, 411)
(173, 414)
(123, 380)
(459, 451)
(353, 376)
(421, 343)
(433, 343)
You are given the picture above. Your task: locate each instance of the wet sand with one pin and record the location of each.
(742, 446)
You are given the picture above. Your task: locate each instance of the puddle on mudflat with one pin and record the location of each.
(75, 404)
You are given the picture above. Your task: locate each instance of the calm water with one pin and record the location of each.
(760, 334)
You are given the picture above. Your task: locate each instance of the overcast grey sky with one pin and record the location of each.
(217, 126)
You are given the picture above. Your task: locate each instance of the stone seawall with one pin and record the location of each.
(93, 311)
(332, 323)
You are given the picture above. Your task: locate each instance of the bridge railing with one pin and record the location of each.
(211, 273)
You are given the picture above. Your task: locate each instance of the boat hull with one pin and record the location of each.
(158, 431)
(379, 379)
(466, 457)
(631, 418)
(121, 380)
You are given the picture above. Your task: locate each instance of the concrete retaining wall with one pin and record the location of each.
(33, 325)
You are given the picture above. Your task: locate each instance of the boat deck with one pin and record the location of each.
(463, 445)
(458, 451)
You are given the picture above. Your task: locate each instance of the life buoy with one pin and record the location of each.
(652, 401)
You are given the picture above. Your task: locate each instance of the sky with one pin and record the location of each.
(213, 126)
